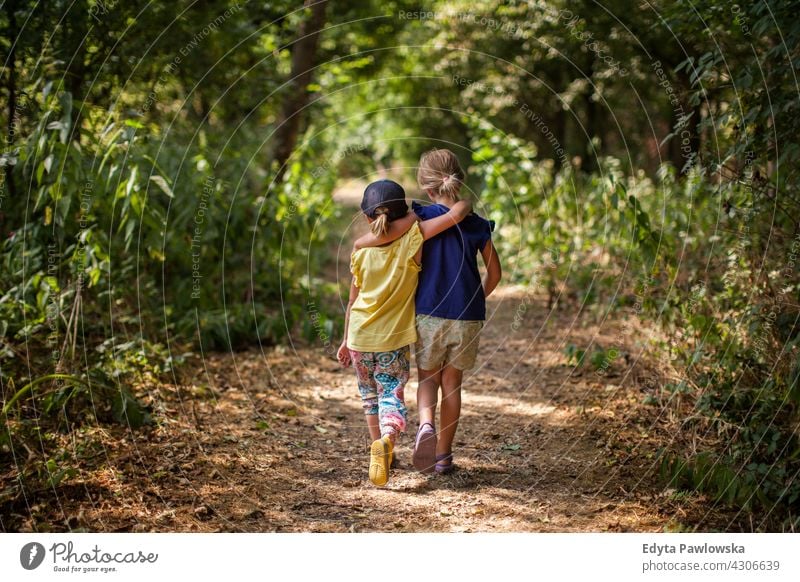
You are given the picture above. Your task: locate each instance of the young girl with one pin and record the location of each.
(450, 308)
(379, 322)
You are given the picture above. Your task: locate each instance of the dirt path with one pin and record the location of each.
(276, 442)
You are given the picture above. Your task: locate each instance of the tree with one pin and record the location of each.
(304, 52)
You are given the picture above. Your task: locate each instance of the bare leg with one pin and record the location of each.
(424, 457)
(427, 395)
(451, 408)
(374, 427)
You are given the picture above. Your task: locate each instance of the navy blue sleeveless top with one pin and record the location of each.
(450, 282)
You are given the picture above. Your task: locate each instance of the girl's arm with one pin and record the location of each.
(433, 226)
(493, 269)
(429, 228)
(343, 355)
(395, 230)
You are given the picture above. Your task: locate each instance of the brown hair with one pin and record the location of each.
(380, 225)
(439, 172)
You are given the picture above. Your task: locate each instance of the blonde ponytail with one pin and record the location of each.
(440, 173)
(380, 225)
(450, 186)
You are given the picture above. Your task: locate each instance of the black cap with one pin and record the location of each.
(385, 193)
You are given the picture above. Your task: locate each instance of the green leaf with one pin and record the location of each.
(66, 116)
(128, 410)
(162, 183)
(131, 181)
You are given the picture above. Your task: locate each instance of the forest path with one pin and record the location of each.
(275, 440)
(531, 447)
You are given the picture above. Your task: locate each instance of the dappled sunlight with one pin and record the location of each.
(477, 403)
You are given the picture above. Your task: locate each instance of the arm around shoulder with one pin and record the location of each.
(395, 230)
(460, 210)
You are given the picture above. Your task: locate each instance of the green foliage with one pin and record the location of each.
(586, 225)
(641, 245)
(600, 359)
(575, 356)
(138, 209)
(635, 158)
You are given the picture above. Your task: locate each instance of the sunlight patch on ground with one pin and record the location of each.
(501, 405)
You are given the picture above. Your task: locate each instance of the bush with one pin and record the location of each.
(127, 245)
(727, 301)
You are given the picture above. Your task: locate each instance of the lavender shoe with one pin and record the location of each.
(444, 464)
(424, 457)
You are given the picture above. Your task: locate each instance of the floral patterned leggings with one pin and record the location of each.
(382, 378)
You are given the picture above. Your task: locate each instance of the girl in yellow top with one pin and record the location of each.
(380, 319)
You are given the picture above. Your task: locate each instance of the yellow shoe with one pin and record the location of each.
(380, 457)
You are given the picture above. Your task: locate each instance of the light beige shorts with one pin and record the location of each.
(447, 342)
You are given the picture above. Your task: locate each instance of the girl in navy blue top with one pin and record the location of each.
(451, 308)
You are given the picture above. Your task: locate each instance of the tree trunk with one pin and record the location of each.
(77, 39)
(674, 145)
(589, 158)
(304, 54)
(560, 131)
(560, 124)
(697, 138)
(687, 140)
